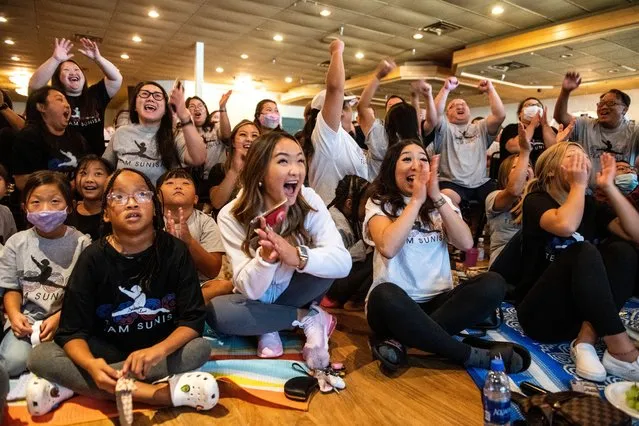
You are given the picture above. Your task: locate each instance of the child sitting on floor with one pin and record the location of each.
(34, 268)
(90, 178)
(134, 308)
(196, 229)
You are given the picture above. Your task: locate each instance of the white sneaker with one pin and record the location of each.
(587, 362)
(269, 345)
(318, 326)
(619, 368)
(43, 396)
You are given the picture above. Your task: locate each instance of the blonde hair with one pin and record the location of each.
(251, 199)
(548, 177)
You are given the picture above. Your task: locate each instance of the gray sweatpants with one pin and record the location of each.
(50, 361)
(235, 314)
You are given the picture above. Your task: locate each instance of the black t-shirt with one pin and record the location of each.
(103, 298)
(537, 142)
(216, 177)
(540, 248)
(87, 115)
(34, 148)
(86, 224)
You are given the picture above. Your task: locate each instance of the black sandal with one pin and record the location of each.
(397, 348)
(503, 349)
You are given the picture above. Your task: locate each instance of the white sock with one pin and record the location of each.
(196, 389)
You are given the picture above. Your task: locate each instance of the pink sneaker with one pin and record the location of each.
(318, 325)
(269, 345)
(328, 303)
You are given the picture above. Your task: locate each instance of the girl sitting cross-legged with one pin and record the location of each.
(133, 307)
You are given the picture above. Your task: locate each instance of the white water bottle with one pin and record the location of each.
(496, 395)
(481, 252)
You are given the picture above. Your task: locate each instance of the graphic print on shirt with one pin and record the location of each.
(466, 136)
(138, 312)
(557, 244)
(608, 148)
(76, 114)
(76, 119)
(423, 234)
(69, 161)
(41, 284)
(141, 151)
(595, 151)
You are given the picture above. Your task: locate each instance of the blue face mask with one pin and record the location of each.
(626, 182)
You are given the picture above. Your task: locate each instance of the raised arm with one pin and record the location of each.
(225, 124)
(432, 122)
(43, 74)
(626, 225)
(112, 76)
(517, 179)
(565, 220)
(364, 110)
(572, 80)
(497, 112)
(334, 101)
(417, 88)
(195, 154)
(549, 135)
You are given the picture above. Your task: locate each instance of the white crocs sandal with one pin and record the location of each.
(197, 389)
(44, 396)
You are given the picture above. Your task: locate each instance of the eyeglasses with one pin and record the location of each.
(609, 104)
(144, 94)
(626, 169)
(121, 199)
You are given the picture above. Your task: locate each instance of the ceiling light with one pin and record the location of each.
(288, 79)
(613, 71)
(153, 13)
(566, 55)
(359, 55)
(244, 56)
(9, 41)
(136, 38)
(15, 58)
(219, 69)
(278, 37)
(3, 19)
(418, 36)
(325, 12)
(497, 10)
(124, 56)
(20, 78)
(627, 68)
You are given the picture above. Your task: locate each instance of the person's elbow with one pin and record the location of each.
(465, 243)
(197, 158)
(387, 251)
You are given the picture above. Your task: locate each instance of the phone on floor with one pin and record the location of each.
(273, 216)
(530, 389)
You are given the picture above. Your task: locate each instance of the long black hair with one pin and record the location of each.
(151, 267)
(384, 190)
(207, 126)
(307, 131)
(353, 187)
(164, 138)
(401, 123)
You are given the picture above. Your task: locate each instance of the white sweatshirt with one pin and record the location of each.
(263, 281)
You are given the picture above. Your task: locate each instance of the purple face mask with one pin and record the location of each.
(270, 121)
(47, 221)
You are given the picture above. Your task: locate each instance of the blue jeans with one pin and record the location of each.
(14, 353)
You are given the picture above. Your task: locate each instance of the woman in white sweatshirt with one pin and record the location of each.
(279, 273)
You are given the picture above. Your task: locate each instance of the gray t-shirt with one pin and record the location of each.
(204, 230)
(463, 152)
(215, 150)
(357, 248)
(40, 268)
(621, 141)
(501, 226)
(7, 224)
(134, 146)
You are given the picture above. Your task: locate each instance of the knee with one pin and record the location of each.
(493, 287)
(584, 251)
(40, 358)
(200, 350)
(385, 291)
(622, 253)
(384, 297)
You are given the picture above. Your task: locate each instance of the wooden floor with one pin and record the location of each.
(431, 392)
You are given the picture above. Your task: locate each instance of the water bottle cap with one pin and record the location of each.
(497, 364)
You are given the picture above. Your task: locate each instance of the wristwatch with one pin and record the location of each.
(4, 106)
(187, 122)
(440, 202)
(302, 252)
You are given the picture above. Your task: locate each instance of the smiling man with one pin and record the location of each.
(610, 132)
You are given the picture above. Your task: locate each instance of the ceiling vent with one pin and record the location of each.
(440, 28)
(94, 39)
(507, 66)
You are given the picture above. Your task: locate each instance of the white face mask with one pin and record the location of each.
(530, 111)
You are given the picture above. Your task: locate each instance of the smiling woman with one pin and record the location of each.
(149, 144)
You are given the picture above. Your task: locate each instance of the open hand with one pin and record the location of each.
(176, 100)
(90, 49)
(225, 98)
(563, 133)
(433, 179)
(287, 254)
(420, 183)
(606, 176)
(61, 49)
(183, 234)
(572, 80)
(525, 136)
(576, 173)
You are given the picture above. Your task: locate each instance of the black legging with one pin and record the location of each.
(582, 284)
(429, 326)
(354, 286)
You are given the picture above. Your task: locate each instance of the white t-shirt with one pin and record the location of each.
(134, 146)
(377, 143)
(463, 152)
(422, 267)
(215, 150)
(263, 281)
(501, 226)
(336, 155)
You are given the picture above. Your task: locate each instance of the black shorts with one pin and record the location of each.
(467, 194)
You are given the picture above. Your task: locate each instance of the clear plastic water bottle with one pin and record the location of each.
(481, 251)
(496, 395)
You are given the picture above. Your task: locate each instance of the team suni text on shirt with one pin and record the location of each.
(421, 234)
(140, 152)
(76, 119)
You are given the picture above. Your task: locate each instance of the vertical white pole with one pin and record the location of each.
(199, 67)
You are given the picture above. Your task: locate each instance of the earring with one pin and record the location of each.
(259, 184)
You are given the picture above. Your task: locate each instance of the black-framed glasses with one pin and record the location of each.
(144, 94)
(609, 104)
(121, 199)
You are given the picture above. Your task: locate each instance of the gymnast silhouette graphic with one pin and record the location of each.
(141, 151)
(608, 148)
(45, 271)
(139, 303)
